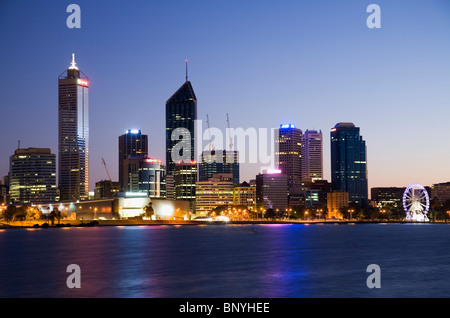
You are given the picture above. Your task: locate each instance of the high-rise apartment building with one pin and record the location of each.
(73, 137)
(349, 162)
(312, 155)
(132, 143)
(288, 156)
(218, 161)
(32, 176)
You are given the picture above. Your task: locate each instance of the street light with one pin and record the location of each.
(351, 211)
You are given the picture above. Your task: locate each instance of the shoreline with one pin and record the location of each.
(103, 223)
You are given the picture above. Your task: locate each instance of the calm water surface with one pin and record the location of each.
(228, 261)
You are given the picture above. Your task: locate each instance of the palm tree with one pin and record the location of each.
(148, 210)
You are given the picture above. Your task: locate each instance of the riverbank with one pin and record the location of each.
(90, 223)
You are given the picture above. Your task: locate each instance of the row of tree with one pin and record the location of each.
(390, 212)
(31, 213)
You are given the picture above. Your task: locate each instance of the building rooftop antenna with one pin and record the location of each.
(73, 65)
(186, 70)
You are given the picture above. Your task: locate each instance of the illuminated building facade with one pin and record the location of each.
(387, 195)
(73, 137)
(245, 195)
(312, 155)
(288, 156)
(336, 201)
(218, 161)
(184, 180)
(272, 190)
(145, 175)
(132, 143)
(32, 176)
(349, 162)
(217, 191)
(441, 191)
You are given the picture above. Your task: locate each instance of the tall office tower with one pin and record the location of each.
(73, 140)
(218, 161)
(144, 174)
(272, 190)
(181, 112)
(312, 155)
(349, 162)
(132, 143)
(184, 180)
(288, 156)
(32, 176)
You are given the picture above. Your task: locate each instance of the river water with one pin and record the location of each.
(232, 261)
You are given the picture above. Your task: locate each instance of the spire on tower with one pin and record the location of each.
(73, 65)
(186, 70)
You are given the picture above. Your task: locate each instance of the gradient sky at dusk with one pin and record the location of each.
(311, 63)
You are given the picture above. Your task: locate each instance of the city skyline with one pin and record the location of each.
(392, 84)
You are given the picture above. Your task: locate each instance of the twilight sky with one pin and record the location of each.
(312, 63)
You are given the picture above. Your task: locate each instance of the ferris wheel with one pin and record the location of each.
(416, 203)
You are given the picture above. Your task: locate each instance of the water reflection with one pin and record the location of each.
(226, 261)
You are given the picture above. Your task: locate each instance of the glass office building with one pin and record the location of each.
(349, 162)
(132, 143)
(145, 175)
(181, 112)
(218, 161)
(272, 190)
(73, 137)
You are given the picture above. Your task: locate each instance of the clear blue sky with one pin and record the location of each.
(311, 63)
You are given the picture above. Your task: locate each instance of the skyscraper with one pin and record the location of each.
(288, 149)
(181, 113)
(132, 143)
(218, 161)
(312, 155)
(73, 139)
(349, 163)
(32, 176)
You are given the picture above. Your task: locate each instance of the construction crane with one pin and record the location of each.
(229, 132)
(106, 168)
(209, 130)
